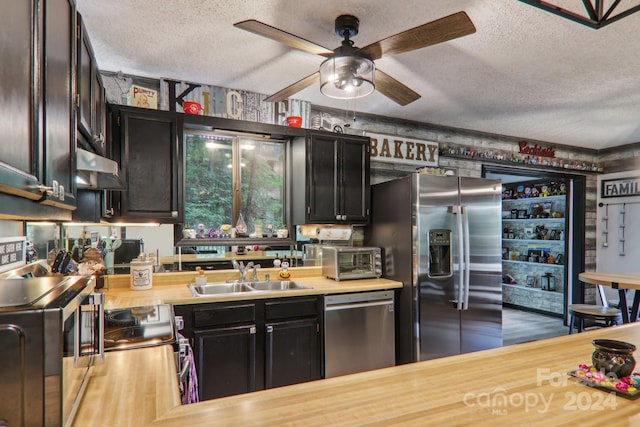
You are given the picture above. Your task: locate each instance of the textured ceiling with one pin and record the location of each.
(525, 72)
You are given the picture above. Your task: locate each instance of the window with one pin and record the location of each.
(232, 174)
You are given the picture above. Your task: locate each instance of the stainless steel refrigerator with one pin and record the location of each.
(440, 236)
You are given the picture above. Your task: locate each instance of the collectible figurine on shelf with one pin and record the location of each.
(535, 192)
(544, 191)
(563, 189)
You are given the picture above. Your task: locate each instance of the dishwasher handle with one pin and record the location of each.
(347, 306)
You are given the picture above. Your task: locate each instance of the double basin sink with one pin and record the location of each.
(244, 287)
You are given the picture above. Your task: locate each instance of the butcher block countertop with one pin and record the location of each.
(171, 288)
(620, 280)
(523, 384)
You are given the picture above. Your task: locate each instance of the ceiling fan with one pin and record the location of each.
(349, 71)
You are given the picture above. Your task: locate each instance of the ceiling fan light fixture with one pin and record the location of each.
(347, 77)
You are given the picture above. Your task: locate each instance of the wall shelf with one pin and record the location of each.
(533, 241)
(543, 220)
(538, 264)
(532, 231)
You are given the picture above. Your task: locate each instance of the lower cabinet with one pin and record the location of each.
(225, 361)
(243, 346)
(291, 352)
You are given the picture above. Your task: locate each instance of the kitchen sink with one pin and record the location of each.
(219, 288)
(243, 287)
(276, 285)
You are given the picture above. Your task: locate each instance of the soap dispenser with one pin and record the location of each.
(201, 279)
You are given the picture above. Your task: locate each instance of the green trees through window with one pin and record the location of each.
(231, 174)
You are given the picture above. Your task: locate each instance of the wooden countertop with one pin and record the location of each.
(131, 388)
(521, 384)
(622, 280)
(172, 288)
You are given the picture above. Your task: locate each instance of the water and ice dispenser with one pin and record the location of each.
(440, 264)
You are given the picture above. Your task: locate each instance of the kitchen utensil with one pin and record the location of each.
(55, 267)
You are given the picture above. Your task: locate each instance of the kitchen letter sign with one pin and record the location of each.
(621, 187)
(397, 149)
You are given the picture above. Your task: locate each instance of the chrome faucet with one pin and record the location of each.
(255, 272)
(242, 268)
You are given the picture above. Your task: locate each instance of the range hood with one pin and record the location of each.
(96, 172)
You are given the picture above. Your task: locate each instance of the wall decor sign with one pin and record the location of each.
(622, 187)
(536, 150)
(143, 97)
(12, 252)
(398, 149)
(230, 103)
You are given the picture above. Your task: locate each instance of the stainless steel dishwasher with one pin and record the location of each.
(359, 332)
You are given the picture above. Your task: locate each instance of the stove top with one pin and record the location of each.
(136, 327)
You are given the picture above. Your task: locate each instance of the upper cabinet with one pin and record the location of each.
(58, 140)
(330, 179)
(90, 98)
(149, 149)
(37, 146)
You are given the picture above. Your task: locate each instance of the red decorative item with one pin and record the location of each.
(191, 107)
(294, 121)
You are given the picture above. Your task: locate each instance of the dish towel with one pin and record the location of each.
(188, 377)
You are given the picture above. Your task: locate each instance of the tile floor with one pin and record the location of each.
(522, 326)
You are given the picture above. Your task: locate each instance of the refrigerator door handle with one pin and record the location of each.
(467, 256)
(460, 291)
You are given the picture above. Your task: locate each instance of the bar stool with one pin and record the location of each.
(597, 313)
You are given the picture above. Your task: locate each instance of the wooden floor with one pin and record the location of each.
(522, 326)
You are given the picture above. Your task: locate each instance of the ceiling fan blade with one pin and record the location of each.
(294, 88)
(394, 90)
(283, 37)
(438, 31)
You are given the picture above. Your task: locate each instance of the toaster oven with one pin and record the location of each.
(349, 262)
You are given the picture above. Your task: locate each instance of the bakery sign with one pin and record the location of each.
(397, 149)
(622, 187)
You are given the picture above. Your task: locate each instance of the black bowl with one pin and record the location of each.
(613, 357)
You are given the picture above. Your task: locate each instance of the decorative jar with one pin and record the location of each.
(613, 357)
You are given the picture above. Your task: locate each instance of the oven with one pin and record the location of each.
(349, 262)
(51, 333)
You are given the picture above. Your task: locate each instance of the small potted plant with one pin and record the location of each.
(282, 232)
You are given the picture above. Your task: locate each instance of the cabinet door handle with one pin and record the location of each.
(174, 214)
(108, 212)
(338, 217)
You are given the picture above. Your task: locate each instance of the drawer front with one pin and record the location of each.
(224, 315)
(298, 307)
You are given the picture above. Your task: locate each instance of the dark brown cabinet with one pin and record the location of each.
(36, 102)
(291, 352)
(90, 94)
(333, 185)
(148, 146)
(245, 346)
(19, 100)
(58, 157)
(226, 361)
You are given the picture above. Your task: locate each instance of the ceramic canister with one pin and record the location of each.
(141, 271)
